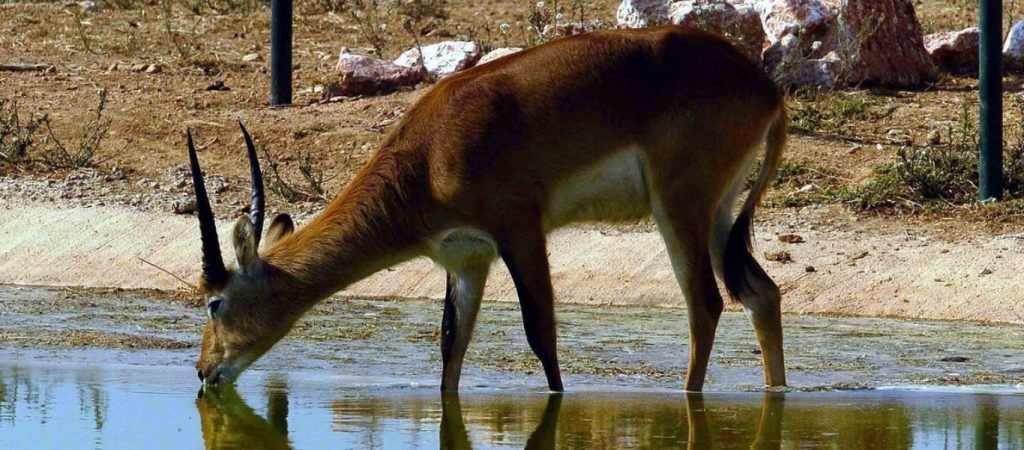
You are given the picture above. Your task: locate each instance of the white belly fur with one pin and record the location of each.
(612, 190)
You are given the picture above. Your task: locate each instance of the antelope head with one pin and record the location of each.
(247, 310)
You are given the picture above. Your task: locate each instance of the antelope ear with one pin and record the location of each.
(245, 244)
(279, 228)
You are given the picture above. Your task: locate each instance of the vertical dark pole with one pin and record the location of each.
(281, 52)
(990, 62)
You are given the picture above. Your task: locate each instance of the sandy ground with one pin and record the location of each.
(851, 272)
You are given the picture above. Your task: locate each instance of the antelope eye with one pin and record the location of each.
(213, 305)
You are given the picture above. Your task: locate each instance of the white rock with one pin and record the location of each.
(782, 17)
(642, 13)
(1013, 48)
(498, 53)
(740, 24)
(89, 6)
(442, 59)
(252, 57)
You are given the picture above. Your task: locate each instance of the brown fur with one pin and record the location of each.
(486, 147)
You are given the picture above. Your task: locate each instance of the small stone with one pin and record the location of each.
(116, 175)
(252, 57)
(986, 271)
(780, 257)
(154, 68)
(139, 67)
(88, 6)
(810, 269)
(791, 238)
(112, 67)
(958, 359)
(807, 188)
(183, 206)
(217, 86)
(934, 137)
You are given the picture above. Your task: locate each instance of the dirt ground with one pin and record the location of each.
(140, 164)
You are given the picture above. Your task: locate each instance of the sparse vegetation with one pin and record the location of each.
(816, 111)
(90, 137)
(922, 177)
(20, 148)
(310, 188)
(15, 138)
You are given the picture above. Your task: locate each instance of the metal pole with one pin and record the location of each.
(281, 52)
(990, 74)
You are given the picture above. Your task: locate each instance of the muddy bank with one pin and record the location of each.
(383, 342)
(854, 272)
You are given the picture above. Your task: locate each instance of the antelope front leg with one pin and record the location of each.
(525, 255)
(464, 290)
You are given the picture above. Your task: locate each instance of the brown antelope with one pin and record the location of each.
(606, 126)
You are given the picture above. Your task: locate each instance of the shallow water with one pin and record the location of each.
(52, 405)
(83, 369)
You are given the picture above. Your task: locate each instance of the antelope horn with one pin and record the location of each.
(213, 265)
(258, 208)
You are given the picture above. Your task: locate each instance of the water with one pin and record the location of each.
(86, 369)
(52, 405)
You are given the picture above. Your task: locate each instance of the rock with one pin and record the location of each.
(741, 24)
(882, 44)
(642, 13)
(795, 30)
(791, 238)
(821, 72)
(112, 67)
(217, 85)
(252, 57)
(497, 53)
(442, 59)
(934, 137)
(781, 18)
(183, 206)
(139, 67)
(154, 68)
(810, 269)
(954, 51)
(89, 6)
(365, 75)
(780, 257)
(1013, 48)
(958, 359)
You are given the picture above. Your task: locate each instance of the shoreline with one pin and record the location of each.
(855, 273)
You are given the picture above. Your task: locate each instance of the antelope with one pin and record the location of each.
(606, 126)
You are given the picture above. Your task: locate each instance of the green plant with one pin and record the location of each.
(943, 171)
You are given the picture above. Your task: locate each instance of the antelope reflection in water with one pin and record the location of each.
(228, 422)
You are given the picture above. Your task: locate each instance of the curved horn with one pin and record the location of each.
(213, 265)
(258, 208)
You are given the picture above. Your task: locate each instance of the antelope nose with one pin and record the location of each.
(201, 375)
